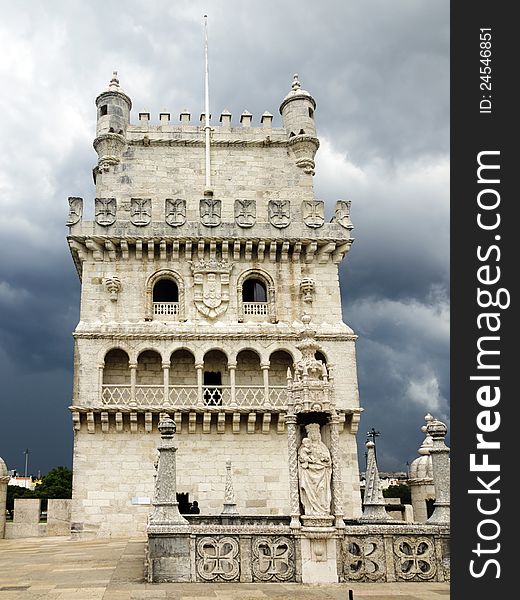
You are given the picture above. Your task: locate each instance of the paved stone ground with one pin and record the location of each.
(60, 569)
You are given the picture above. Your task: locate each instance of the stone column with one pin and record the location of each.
(265, 374)
(101, 367)
(4, 480)
(200, 369)
(441, 472)
(133, 377)
(165, 509)
(337, 480)
(166, 382)
(294, 494)
(232, 367)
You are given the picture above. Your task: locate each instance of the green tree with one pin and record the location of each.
(56, 484)
(401, 491)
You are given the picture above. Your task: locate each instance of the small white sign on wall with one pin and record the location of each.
(140, 500)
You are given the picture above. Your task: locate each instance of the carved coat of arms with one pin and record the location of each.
(342, 215)
(245, 213)
(313, 213)
(75, 210)
(105, 211)
(210, 210)
(175, 211)
(279, 213)
(140, 211)
(211, 286)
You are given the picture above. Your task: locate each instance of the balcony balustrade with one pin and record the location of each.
(256, 308)
(169, 309)
(193, 396)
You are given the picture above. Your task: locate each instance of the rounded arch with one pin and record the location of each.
(320, 355)
(168, 275)
(116, 368)
(280, 360)
(149, 368)
(266, 280)
(104, 353)
(248, 368)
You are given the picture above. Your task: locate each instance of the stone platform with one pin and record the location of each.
(113, 569)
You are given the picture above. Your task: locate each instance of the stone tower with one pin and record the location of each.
(192, 301)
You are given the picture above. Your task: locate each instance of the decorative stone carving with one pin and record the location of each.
(279, 213)
(273, 559)
(230, 507)
(307, 289)
(313, 213)
(217, 558)
(211, 286)
(414, 558)
(314, 472)
(342, 214)
(140, 211)
(105, 211)
(75, 210)
(245, 212)
(210, 211)
(175, 211)
(113, 285)
(373, 502)
(364, 559)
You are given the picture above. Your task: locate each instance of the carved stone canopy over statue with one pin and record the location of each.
(314, 473)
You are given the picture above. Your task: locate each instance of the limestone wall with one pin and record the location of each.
(110, 469)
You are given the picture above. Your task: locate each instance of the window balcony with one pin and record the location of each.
(166, 309)
(256, 308)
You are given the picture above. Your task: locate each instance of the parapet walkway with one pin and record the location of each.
(61, 569)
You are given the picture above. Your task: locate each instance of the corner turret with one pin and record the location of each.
(113, 117)
(297, 110)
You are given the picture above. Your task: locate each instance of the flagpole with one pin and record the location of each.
(207, 128)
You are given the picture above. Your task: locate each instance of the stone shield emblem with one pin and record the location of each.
(245, 213)
(342, 214)
(211, 287)
(279, 213)
(210, 211)
(313, 213)
(140, 211)
(75, 211)
(175, 212)
(105, 211)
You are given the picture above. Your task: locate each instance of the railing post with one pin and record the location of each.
(133, 377)
(200, 369)
(166, 382)
(265, 373)
(232, 371)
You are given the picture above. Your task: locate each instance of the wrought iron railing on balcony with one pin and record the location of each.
(190, 396)
(170, 309)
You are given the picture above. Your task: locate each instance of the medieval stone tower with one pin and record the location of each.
(192, 299)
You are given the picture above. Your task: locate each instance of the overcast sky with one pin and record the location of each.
(379, 71)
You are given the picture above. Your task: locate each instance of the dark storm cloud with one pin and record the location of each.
(379, 73)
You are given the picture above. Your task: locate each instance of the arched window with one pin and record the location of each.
(256, 296)
(165, 296)
(165, 290)
(254, 290)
